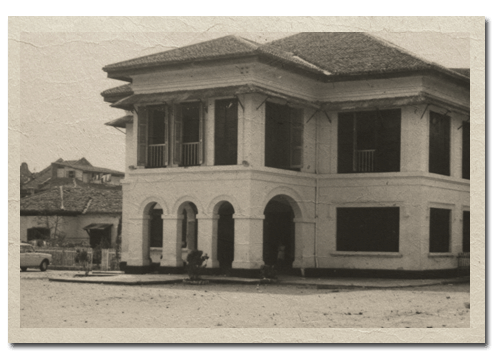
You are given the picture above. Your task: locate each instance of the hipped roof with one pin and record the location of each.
(330, 55)
(76, 200)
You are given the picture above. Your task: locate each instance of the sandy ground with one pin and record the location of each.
(58, 305)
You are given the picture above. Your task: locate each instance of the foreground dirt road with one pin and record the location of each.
(47, 304)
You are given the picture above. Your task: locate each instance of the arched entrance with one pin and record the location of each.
(155, 233)
(225, 236)
(279, 234)
(189, 227)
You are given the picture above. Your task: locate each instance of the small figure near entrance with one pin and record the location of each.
(280, 261)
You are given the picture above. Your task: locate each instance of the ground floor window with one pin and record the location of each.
(439, 236)
(466, 232)
(368, 229)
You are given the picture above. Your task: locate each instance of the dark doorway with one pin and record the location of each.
(225, 236)
(189, 226)
(279, 235)
(156, 228)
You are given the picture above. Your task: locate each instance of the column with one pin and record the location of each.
(172, 235)
(210, 133)
(304, 243)
(251, 130)
(207, 238)
(138, 243)
(248, 242)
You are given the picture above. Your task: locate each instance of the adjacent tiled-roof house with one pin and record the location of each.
(326, 153)
(71, 215)
(71, 172)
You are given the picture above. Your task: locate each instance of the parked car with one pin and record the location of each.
(31, 259)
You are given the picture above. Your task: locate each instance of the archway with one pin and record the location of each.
(225, 236)
(189, 227)
(155, 234)
(279, 234)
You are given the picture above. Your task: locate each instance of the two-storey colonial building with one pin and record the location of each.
(346, 153)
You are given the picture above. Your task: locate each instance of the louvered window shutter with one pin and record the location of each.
(167, 127)
(201, 134)
(296, 138)
(142, 141)
(177, 135)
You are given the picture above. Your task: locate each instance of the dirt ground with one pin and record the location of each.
(47, 304)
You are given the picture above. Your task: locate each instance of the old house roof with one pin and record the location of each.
(120, 122)
(117, 93)
(332, 55)
(73, 200)
(90, 168)
(43, 178)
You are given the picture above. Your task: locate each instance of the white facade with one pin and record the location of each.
(317, 191)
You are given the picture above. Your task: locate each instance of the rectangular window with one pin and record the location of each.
(188, 134)
(368, 229)
(440, 233)
(369, 141)
(439, 144)
(466, 150)
(284, 137)
(162, 130)
(71, 174)
(466, 232)
(226, 132)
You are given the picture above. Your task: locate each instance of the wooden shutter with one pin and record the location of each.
(345, 143)
(466, 150)
(439, 144)
(296, 138)
(201, 146)
(388, 150)
(177, 149)
(167, 125)
(142, 134)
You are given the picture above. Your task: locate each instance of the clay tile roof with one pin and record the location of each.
(75, 200)
(120, 122)
(332, 54)
(90, 168)
(213, 49)
(352, 53)
(114, 94)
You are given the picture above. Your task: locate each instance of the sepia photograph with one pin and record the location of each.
(222, 180)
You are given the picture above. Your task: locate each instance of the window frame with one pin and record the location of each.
(432, 248)
(342, 226)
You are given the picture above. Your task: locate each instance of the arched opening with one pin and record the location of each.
(155, 234)
(189, 228)
(279, 234)
(225, 236)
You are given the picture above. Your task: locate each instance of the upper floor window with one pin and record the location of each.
(466, 150)
(170, 135)
(369, 141)
(439, 144)
(226, 132)
(284, 137)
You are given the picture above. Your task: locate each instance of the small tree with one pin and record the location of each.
(195, 262)
(83, 258)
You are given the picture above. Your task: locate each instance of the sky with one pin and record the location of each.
(63, 113)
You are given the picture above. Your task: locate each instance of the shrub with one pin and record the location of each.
(267, 272)
(195, 262)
